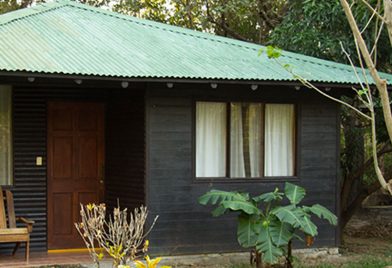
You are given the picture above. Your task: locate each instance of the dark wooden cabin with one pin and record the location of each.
(98, 106)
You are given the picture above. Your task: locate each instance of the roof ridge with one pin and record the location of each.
(46, 7)
(204, 35)
(163, 26)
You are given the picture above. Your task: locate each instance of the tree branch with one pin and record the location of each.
(264, 15)
(359, 172)
(381, 85)
(375, 12)
(223, 25)
(310, 85)
(354, 205)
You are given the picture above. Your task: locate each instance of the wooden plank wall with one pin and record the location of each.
(29, 110)
(172, 192)
(125, 149)
(30, 132)
(186, 227)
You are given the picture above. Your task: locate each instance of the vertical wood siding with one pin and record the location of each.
(125, 150)
(185, 226)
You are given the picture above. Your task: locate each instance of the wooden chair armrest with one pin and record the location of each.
(29, 223)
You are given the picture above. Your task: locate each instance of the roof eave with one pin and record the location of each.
(172, 79)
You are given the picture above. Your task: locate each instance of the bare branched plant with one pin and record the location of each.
(383, 15)
(122, 235)
(367, 89)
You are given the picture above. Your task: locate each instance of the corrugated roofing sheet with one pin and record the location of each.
(65, 37)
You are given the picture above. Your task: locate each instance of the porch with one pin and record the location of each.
(82, 259)
(118, 169)
(38, 259)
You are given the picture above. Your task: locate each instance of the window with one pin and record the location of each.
(244, 140)
(5, 135)
(246, 125)
(211, 139)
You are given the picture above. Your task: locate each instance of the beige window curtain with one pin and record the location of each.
(6, 165)
(245, 140)
(210, 139)
(279, 140)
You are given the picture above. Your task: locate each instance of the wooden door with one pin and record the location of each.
(75, 167)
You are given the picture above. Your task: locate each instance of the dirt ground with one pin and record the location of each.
(365, 235)
(368, 234)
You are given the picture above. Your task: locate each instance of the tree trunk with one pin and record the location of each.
(351, 208)
(256, 258)
(354, 152)
(351, 203)
(381, 85)
(289, 256)
(259, 260)
(353, 191)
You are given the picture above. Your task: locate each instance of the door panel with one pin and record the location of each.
(87, 120)
(75, 161)
(62, 157)
(88, 155)
(63, 120)
(63, 211)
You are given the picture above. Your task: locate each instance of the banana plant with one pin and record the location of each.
(264, 223)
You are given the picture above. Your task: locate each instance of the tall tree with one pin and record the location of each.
(247, 20)
(11, 5)
(318, 28)
(157, 10)
(367, 56)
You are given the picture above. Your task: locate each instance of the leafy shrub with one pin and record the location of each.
(264, 223)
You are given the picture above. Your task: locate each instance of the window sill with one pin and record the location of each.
(247, 180)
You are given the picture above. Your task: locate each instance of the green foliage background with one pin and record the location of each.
(316, 28)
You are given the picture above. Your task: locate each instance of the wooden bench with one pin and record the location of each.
(9, 232)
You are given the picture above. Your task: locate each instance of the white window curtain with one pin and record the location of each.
(245, 140)
(210, 139)
(5, 135)
(279, 140)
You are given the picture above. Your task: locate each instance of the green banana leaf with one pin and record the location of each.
(268, 197)
(248, 229)
(322, 212)
(270, 251)
(308, 226)
(289, 214)
(294, 193)
(218, 211)
(215, 196)
(240, 205)
(269, 230)
(280, 232)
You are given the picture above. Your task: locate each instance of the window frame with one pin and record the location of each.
(227, 178)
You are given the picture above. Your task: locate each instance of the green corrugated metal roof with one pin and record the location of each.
(74, 39)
